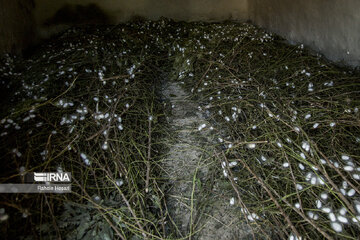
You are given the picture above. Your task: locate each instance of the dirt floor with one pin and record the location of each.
(199, 207)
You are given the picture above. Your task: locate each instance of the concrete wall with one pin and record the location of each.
(122, 10)
(22, 22)
(331, 27)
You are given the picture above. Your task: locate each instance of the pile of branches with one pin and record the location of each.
(288, 127)
(85, 103)
(286, 121)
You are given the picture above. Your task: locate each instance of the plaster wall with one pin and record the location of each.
(331, 27)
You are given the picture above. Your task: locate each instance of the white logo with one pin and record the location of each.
(52, 177)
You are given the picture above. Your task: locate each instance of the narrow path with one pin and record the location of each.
(200, 209)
